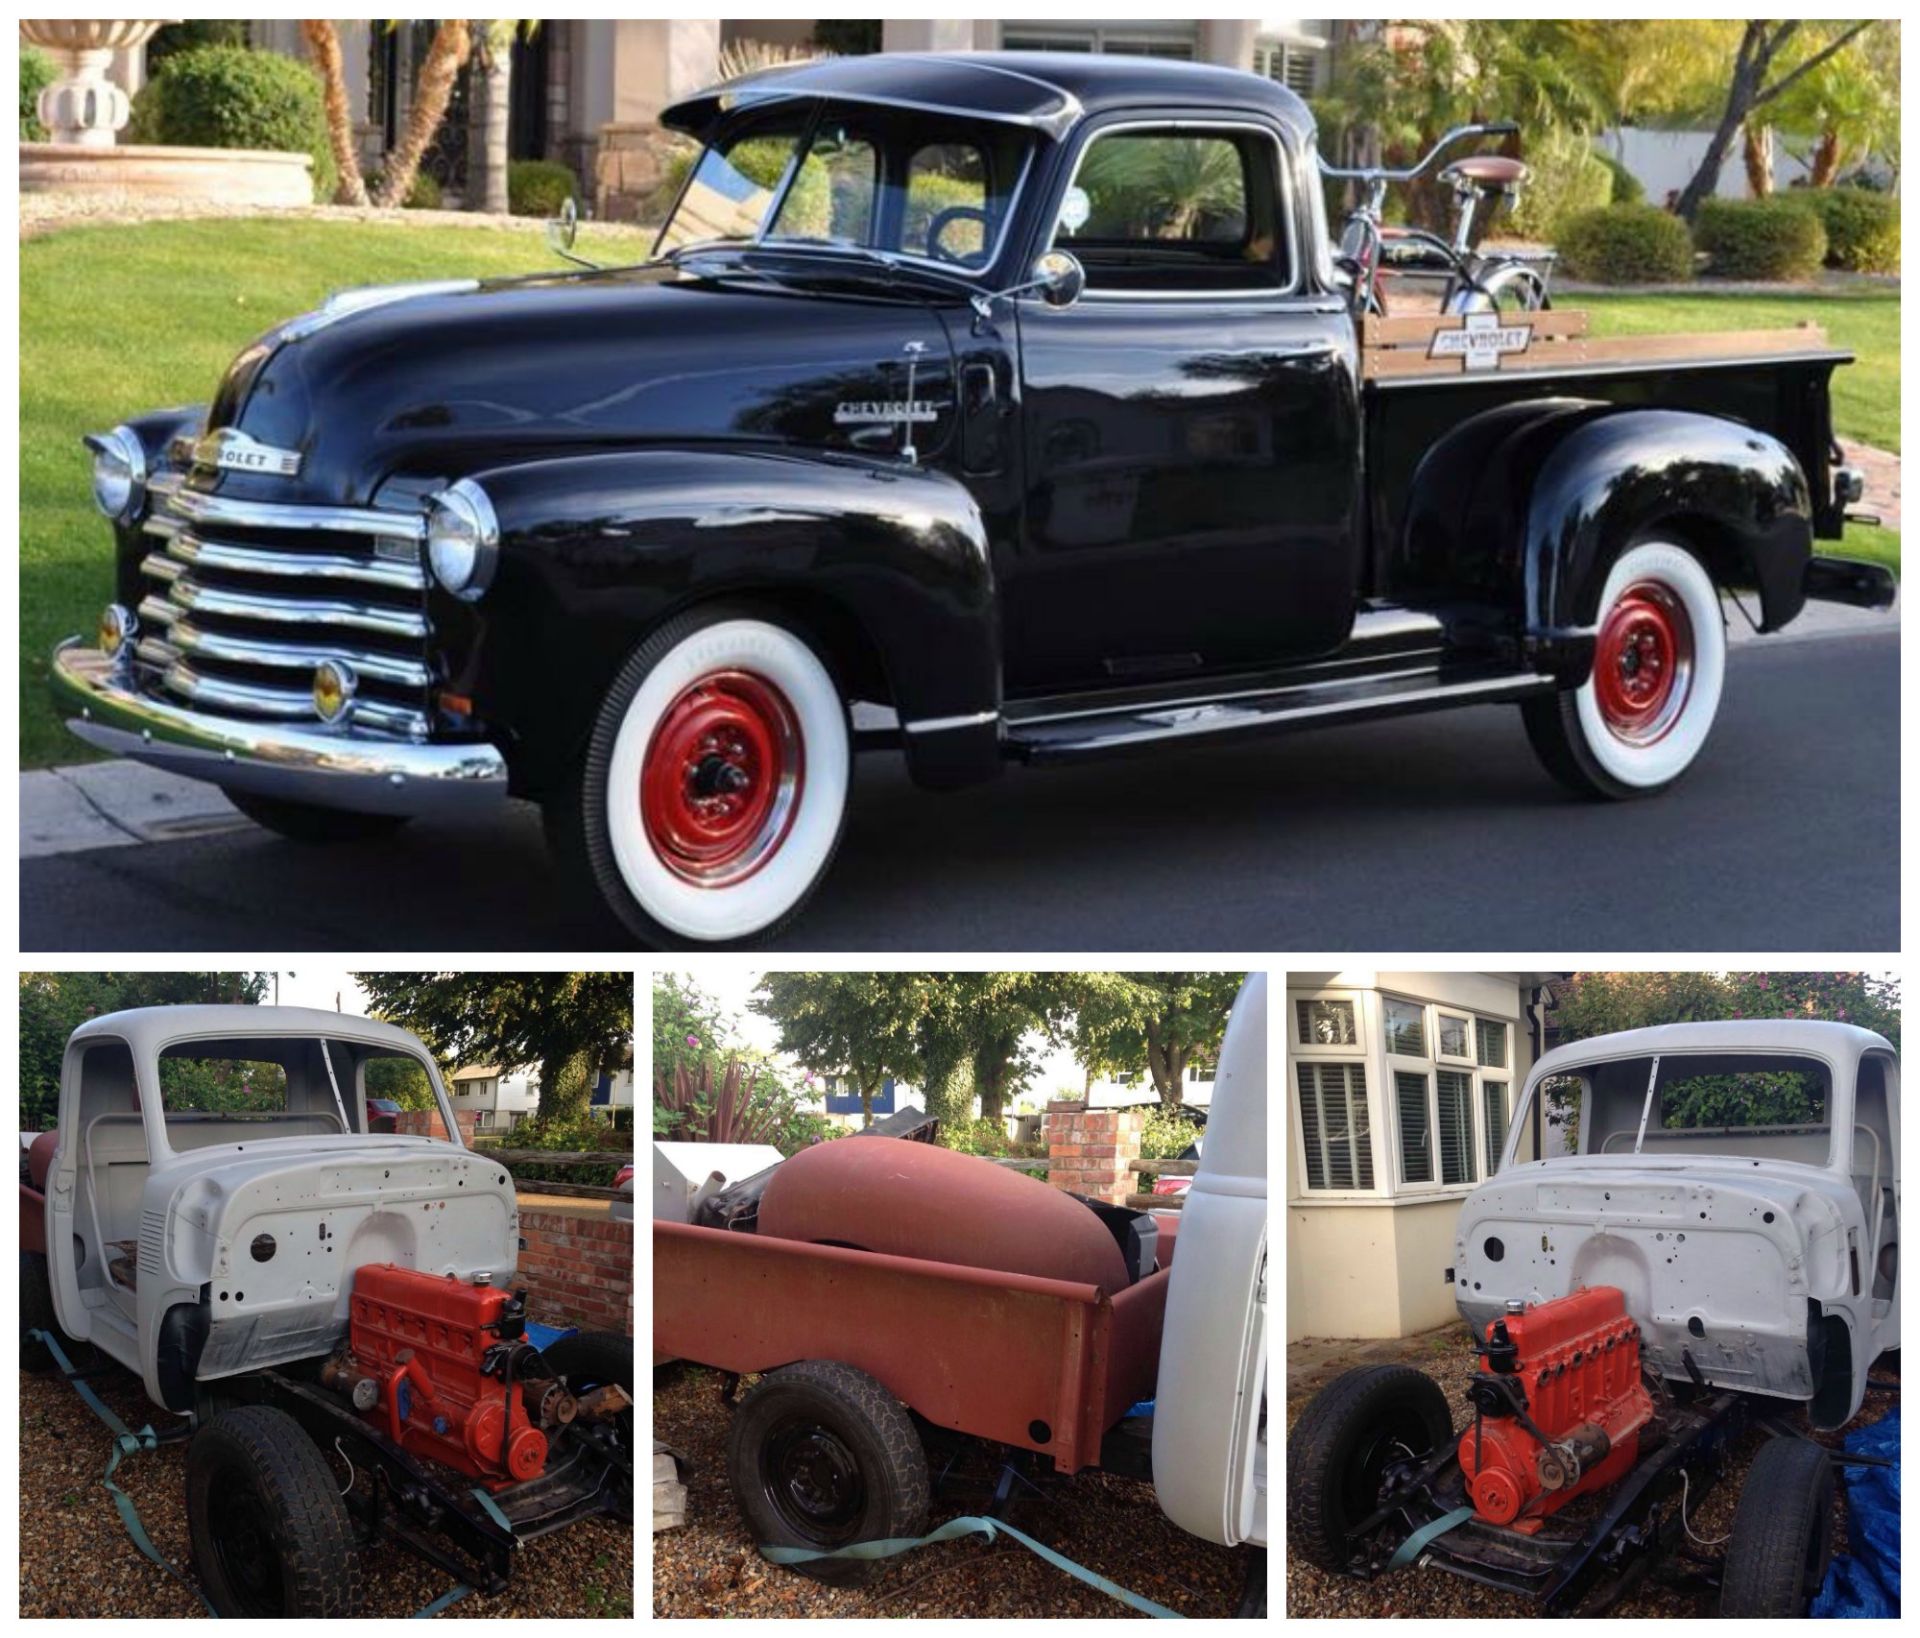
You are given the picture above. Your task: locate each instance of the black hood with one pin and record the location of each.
(452, 381)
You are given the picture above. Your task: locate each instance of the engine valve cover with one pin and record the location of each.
(1559, 1406)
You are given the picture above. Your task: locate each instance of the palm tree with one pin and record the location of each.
(492, 110)
(452, 46)
(323, 40)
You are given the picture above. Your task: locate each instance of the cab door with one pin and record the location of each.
(1190, 426)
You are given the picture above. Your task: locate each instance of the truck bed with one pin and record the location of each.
(1046, 1365)
(1418, 385)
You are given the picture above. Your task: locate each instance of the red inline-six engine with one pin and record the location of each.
(1558, 1408)
(443, 1367)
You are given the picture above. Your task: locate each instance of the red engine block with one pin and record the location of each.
(1576, 1364)
(417, 1348)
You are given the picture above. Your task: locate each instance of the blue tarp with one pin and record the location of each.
(1866, 1583)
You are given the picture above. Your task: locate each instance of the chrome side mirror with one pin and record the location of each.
(1058, 278)
(563, 230)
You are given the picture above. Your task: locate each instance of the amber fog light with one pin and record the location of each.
(334, 686)
(116, 629)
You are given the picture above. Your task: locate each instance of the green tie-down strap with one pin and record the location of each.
(124, 1444)
(953, 1530)
(1415, 1544)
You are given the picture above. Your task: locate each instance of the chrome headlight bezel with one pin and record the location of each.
(119, 473)
(463, 540)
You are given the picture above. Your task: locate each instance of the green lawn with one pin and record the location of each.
(117, 320)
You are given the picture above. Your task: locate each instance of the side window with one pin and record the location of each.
(1184, 211)
(947, 210)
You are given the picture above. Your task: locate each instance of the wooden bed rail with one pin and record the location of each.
(1434, 345)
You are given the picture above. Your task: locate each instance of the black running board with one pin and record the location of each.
(1305, 705)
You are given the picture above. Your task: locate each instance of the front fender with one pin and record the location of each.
(1735, 495)
(886, 567)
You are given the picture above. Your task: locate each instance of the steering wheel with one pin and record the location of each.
(945, 219)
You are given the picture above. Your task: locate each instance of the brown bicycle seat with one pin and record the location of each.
(1488, 171)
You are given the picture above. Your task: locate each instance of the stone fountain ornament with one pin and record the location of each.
(84, 108)
(84, 111)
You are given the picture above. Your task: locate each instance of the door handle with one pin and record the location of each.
(980, 386)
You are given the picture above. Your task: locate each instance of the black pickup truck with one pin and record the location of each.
(981, 407)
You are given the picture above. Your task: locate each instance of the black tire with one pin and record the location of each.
(271, 1535)
(575, 816)
(590, 1360)
(1782, 1537)
(1340, 1446)
(37, 1314)
(307, 822)
(822, 1456)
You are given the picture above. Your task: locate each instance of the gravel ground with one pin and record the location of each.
(709, 1566)
(76, 1558)
(1446, 1355)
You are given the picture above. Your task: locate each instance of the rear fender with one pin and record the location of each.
(1526, 507)
(885, 567)
(1734, 495)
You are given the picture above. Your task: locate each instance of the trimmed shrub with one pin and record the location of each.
(1568, 178)
(230, 97)
(1626, 244)
(1863, 229)
(1768, 239)
(191, 35)
(36, 74)
(539, 187)
(1627, 189)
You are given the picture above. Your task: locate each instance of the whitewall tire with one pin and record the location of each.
(1660, 658)
(715, 784)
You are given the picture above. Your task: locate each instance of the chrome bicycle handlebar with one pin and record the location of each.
(1378, 174)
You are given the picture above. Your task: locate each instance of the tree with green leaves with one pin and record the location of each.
(573, 1026)
(54, 1005)
(1164, 1022)
(1764, 69)
(860, 1025)
(1598, 1003)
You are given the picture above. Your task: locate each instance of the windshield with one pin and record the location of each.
(845, 175)
(299, 1086)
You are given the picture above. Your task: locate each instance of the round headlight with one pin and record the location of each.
(119, 473)
(115, 630)
(334, 686)
(463, 539)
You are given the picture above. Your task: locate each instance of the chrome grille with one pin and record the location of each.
(243, 600)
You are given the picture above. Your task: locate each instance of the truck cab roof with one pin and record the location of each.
(150, 1029)
(1052, 91)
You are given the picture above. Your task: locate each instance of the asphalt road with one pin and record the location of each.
(1436, 833)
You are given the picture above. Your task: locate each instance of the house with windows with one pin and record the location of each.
(588, 92)
(1399, 1091)
(499, 1101)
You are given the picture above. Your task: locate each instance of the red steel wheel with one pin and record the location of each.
(1643, 663)
(722, 778)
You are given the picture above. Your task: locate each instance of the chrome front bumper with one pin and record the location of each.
(360, 773)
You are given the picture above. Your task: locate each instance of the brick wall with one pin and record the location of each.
(578, 1270)
(1093, 1151)
(427, 1123)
